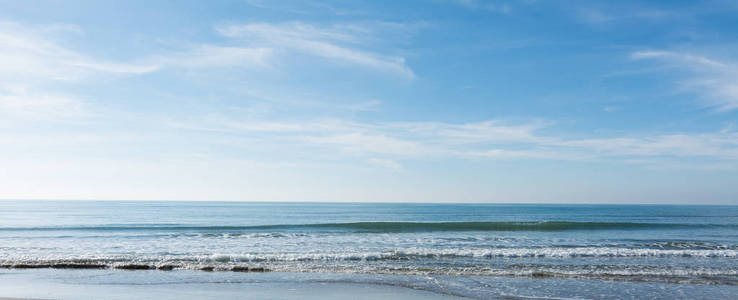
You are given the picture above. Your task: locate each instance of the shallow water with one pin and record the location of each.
(579, 251)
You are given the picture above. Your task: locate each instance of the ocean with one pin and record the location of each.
(64, 249)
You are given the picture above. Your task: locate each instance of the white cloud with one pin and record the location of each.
(721, 145)
(31, 57)
(33, 53)
(304, 7)
(338, 43)
(21, 101)
(385, 163)
(521, 154)
(716, 80)
(210, 56)
(693, 61)
(616, 12)
(478, 140)
(610, 109)
(365, 143)
(675, 165)
(477, 132)
(503, 8)
(27, 52)
(370, 105)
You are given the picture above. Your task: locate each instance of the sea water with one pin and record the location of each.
(482, 251)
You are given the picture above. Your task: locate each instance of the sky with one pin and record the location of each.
(382, 101)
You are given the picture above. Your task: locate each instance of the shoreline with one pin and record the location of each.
(45, 284)
(531, 275)
(38, 284)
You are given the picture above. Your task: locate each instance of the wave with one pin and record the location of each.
(672, 274)
(418, 254)
(390, 227)
(423, 253)
(678, 245)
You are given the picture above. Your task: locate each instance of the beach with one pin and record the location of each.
(334, 149)
(69, 284)
(114, 284)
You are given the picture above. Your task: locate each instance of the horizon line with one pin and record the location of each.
(373, 202)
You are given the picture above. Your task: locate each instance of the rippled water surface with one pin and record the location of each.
(691, 249)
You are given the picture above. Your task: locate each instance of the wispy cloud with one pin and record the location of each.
(624, 12)
(481, 140)
(493, 131)
(610, 15)
(497, 7)
(35, 56)
(338, 43)
(385, 163)
(211, 56)
(720, 145)
(716, 80)
(610, 108)
(20, 101)
(304, 7)
(694, 61)
(31, 53)
(370, 143)
(31, 57)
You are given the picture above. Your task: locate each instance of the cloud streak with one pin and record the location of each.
(492, 139)
(19, 101)
(503, 8)
(211, 56)
(31, 53)
(337, 43)
(715, 80)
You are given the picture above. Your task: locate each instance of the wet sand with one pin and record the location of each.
(44, 284)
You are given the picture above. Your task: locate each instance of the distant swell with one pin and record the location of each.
(386, 227)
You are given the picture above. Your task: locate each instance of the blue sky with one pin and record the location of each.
(411, 101)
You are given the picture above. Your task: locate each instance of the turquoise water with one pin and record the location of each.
(473, 250)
